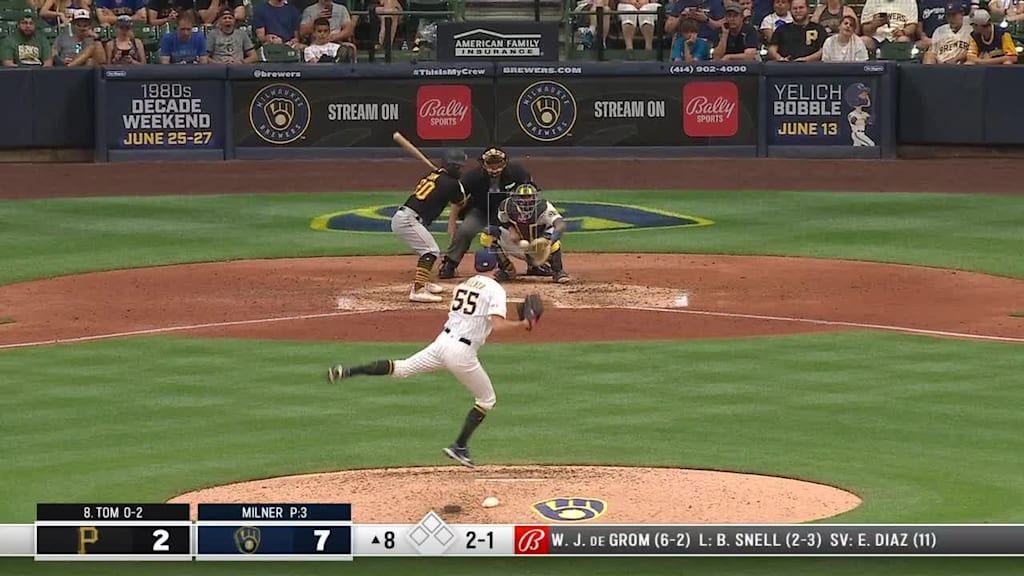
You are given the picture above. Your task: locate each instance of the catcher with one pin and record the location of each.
(530, 229)
(478, 306)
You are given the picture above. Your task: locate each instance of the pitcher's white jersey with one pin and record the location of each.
(473, 303)
(949, 45)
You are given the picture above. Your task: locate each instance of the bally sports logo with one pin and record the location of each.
(444, 112)
(710, 109)
(532, 540)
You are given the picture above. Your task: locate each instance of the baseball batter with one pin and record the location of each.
(411, 222)
(524, 216)
(858, 96)
(478, 306)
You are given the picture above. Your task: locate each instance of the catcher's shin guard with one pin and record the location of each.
(558, 273)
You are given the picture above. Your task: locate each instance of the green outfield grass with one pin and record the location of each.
(924, 429)
(53, 237)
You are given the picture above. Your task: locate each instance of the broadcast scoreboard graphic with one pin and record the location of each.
(325, 532)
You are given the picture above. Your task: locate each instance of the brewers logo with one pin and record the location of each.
(279, 113)
(546, 111)
(247, 539)
(572, 509)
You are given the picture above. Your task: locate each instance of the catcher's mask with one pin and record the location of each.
(524, 201)
(452, 162)
(494, 161)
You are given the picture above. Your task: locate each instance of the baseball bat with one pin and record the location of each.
(404, 143)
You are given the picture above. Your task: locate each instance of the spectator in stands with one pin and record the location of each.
(688, 46)
(80, 48)
(396, 6)
(606, 21)
(748, 10)
(277, 22)
(184, 46)
(323, 50)
(739, 41)
(989, 44)
(800, 40)
(163, 11)
(846, 45)
(1007, 10)
(209, 10)
(24, 47)
(58, 12)
(107, 11)
(125, 48)
(830, 15)
(708, 14)
(888, 21)
(951, 41)
(775, 20)
(343, 24)
(648, 15)
(226, 44)
(930, 15)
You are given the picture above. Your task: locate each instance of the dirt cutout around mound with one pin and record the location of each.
(629, 495)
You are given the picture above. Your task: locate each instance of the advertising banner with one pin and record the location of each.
(824, 111)
(497, 40)
(165, 114)
(637, 111)
(362, 112)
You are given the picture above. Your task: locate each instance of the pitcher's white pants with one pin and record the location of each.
(449, 353)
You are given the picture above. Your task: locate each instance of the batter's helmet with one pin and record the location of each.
(485, 260)
(858, 95)
(453, 159)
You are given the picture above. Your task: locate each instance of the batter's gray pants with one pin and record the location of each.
(473, 224)
(407, 225)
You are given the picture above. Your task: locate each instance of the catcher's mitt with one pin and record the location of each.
(539, 251)
(531, 309)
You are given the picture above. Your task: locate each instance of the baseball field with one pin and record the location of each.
(866, 343)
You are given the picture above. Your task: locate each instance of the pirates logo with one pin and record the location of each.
(279, 113)
(572, 509)
(247, 539)
(546, 111)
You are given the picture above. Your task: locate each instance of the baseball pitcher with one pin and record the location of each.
(478, 306)
(411, 222)
(530, 228)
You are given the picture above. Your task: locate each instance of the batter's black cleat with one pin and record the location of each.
(447, 270)
(544, 270)
(560, 277)
(337, 373)
(503, 275)
(460, 455)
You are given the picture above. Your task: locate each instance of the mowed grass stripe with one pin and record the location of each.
(143, 419)
(63, 236)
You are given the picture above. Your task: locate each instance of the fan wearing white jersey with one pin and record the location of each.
(478, 306)
(952, 40)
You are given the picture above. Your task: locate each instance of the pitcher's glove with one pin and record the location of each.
(531, 309)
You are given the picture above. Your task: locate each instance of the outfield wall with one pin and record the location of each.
(857, 110)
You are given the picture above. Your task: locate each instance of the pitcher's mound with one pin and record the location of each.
(539, 494)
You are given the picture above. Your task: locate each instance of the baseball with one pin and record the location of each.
(490, 502)
(524, 244)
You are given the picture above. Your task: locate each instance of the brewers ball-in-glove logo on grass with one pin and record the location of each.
(546, 111)
(572, 509)
(247, 539)
(279, 113)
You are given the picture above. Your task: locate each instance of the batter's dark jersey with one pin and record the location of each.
(433, 193)
(478, 188)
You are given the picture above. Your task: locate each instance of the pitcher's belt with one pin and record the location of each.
(463, 340)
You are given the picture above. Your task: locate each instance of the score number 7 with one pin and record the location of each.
(321, 539)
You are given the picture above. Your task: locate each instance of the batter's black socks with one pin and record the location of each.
(375, 368)
(473, 419)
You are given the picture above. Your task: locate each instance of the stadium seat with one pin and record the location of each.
(15, 14)
(897, 51)
(279, 53)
